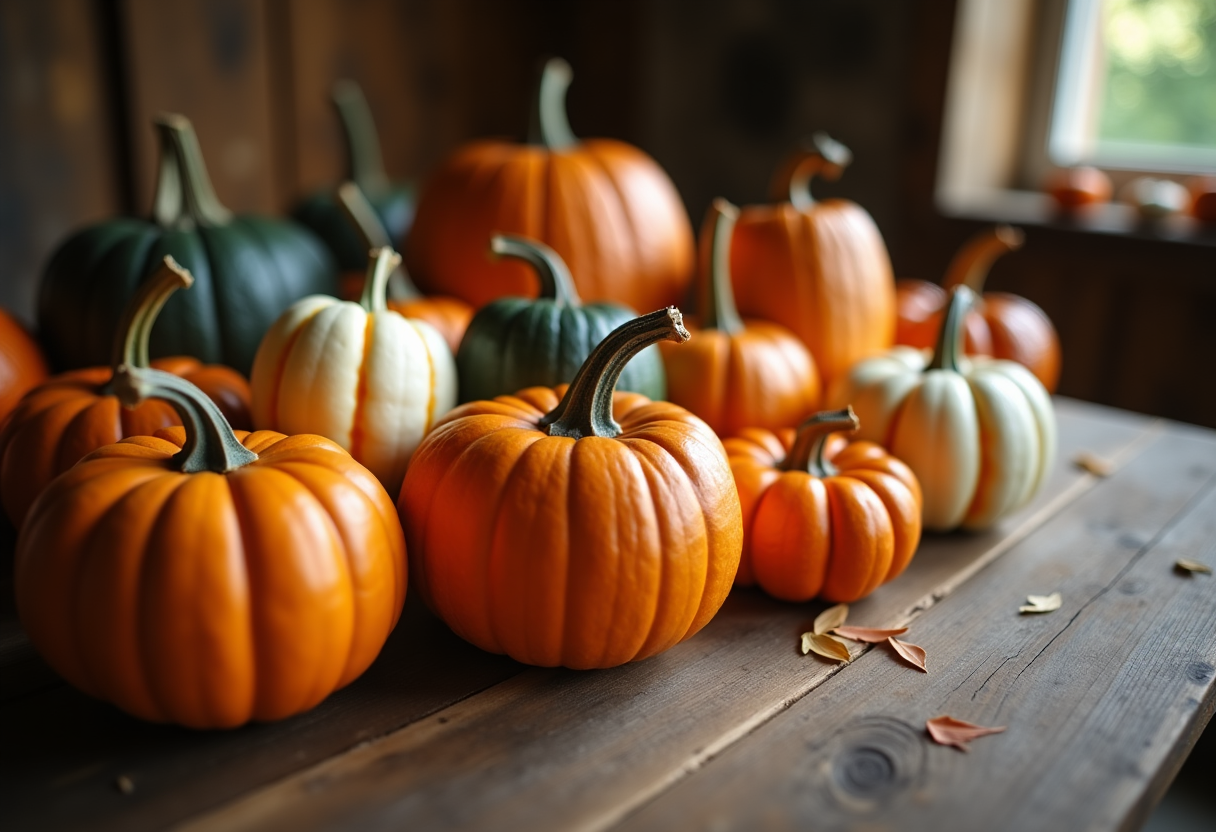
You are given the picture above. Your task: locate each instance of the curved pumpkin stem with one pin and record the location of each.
(949, 348)
(556, 284)
(184, 196)
(971, 265)
(364, 160)
(586, 409)
(718, 310)
(372, 233)
(822, 156)
(135, 328)
(810, 445)
(550, 127)
(210, 443)
(380, 265)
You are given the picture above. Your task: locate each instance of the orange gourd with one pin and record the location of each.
(821, 517)
(580, 529)
(606, 208)
(22, 365)
(1077, 188)
(1001, 325)
(820, 269)
(735, 373)
(76, 412)
(229, 577)
(1203, 198)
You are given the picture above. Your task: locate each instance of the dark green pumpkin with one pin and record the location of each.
(393, 201)
(246, 269)
(513, 343)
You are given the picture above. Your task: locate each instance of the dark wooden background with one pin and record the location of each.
(716, 90)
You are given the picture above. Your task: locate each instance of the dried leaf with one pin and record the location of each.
(830, 619)
(1192, 566)
(946, 730)
(910, 653)
(1093, 464)
(870, 635)
(1042, 603)
(826, 646)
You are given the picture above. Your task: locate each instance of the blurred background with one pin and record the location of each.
(947, 106)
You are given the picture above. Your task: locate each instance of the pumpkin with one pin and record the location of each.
(450, 316)
(358, 373)
(1001, 325)
(737, 373)
(514, 343)
(979, 433)
(822, 519)
(76, 412)
(1077, 188)
(605, 206)
(1155, 199)
(248, 269)
(576, 529)
(22, 365)
(392, 202)
(1203, 198)
(820, 269)
(231, 577)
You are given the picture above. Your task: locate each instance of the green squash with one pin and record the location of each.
(247, 270)
(513, 343)
(393, 201)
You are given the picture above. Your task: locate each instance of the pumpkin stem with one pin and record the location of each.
(820, 156)
(550, 126)
(810, 444)
(556, 284)
(949, 348)
(971, 265)
(184, 196)
(210, 443)
(364, 159)
(380, 265)
(135, 328)
(372, 233)
(586, 409)
(718, 310)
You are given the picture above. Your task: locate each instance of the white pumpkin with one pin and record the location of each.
(979, 433)
(357, 373)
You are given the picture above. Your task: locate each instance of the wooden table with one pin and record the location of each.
(735, 728)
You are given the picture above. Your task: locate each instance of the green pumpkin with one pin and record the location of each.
(247, 270)
(515, 343)
(393, 202)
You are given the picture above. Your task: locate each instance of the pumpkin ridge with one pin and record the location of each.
(432, 399)
(589, 150)
(361, 391)
(272, 404)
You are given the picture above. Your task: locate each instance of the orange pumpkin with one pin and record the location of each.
(22, 365)
(1001, 325)
(231, 577)
(820, 269)
(737, 373)
(821, 517)
(606, 208)
(576, 529)
(76, 412)
(1077, 188)
(1203, 198)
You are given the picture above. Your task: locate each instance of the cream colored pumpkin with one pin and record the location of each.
(979, 434)
(357, 373)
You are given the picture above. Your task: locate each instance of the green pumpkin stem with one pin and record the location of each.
(550, 126)
(718, 310)
(821, 156)
(135, 328)
(184, 196)
(974, 260)
(372, 233)
(556, 284)
(210, 443)
(365, 162)
(586, 409)
(380, 265)
(810, 444)
(949, 348)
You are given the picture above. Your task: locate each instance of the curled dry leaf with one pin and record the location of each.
(1093, 464)
(830, 619)
(946, 730)
(910, 653)
(1042, 603)
(1192, 567)
(826, 646)
(870, 635)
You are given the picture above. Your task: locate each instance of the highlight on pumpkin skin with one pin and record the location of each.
(22, 364)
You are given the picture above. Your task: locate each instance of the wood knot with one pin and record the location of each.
(871, 760)
(1199, 672)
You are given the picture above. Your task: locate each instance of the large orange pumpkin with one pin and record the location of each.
(604, 206)
(230, 577)
(576, 529)
(820, 269)
(822, 518)
(22, 365)
(76, 412)
(737, 373)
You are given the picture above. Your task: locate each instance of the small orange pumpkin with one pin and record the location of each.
(22, 365)
(737, 373)
(1077, 188)
(821, 517)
